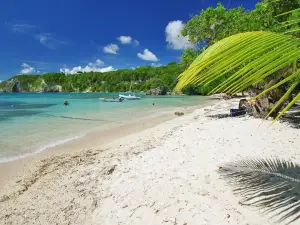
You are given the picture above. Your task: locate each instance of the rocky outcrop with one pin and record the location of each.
(157, 91)
(243, 104)
(52, 88)
(12, 85)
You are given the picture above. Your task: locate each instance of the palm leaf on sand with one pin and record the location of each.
(272, 185)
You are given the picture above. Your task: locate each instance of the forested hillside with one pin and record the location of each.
(140, 79)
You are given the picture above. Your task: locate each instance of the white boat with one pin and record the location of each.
(130, 97)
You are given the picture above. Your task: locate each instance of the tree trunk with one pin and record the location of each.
(263, 105)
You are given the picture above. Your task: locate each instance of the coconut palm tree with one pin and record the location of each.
(252, 61)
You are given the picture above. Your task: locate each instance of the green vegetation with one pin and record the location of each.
(140, 79)
(262, 62)
(215, 24)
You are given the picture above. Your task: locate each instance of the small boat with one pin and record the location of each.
(130, 97)
(112, 99)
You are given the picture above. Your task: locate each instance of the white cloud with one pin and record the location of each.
(111, 49)
(156, 64)
(174, 38)
(107, 69)
(48, 40)
(98, 62)
(125, 40)
(148, 56)
(26, 68)
(86, 69)
(23, 27)
(136, 43)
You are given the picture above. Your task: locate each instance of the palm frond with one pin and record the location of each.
(244, 60)
(290, 22)
(289, 12)
(292, 31)
(272, 185)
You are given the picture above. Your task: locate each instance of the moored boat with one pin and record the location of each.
(130, 97)
(112, 99)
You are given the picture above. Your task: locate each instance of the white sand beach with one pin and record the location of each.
(166, 174)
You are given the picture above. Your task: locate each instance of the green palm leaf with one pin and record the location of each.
(271, 185)
(244, 60)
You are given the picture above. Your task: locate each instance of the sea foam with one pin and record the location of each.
(43, 148)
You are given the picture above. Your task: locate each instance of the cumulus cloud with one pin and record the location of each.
(98, 62)
(147, 56)
(111, 49)
(125, 40)
(26, 68)
(48, 40)
(174, 38)
(86, 69)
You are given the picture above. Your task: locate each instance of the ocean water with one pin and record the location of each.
(33, 122)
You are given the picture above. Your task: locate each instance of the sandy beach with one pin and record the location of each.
(156, 174)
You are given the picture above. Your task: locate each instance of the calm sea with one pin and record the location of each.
(33, 122)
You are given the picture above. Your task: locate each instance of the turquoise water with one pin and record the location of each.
(32, 122)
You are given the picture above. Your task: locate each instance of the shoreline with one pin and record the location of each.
(165, 174)
(7, 159)
(14, 166)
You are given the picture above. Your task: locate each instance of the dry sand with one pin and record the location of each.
(166, 174)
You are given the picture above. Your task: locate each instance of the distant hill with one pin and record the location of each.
(142, 78)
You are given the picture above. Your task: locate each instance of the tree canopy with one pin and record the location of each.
(264, 62)
(140, 79)
(214, 24)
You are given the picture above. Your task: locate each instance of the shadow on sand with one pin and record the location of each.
(271, 185)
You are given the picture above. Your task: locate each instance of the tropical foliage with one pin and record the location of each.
(215, 24)
(140, 79)
(272, 185)
(246, 59)
(264, 60)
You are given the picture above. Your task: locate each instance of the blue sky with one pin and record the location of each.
(73, 35)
